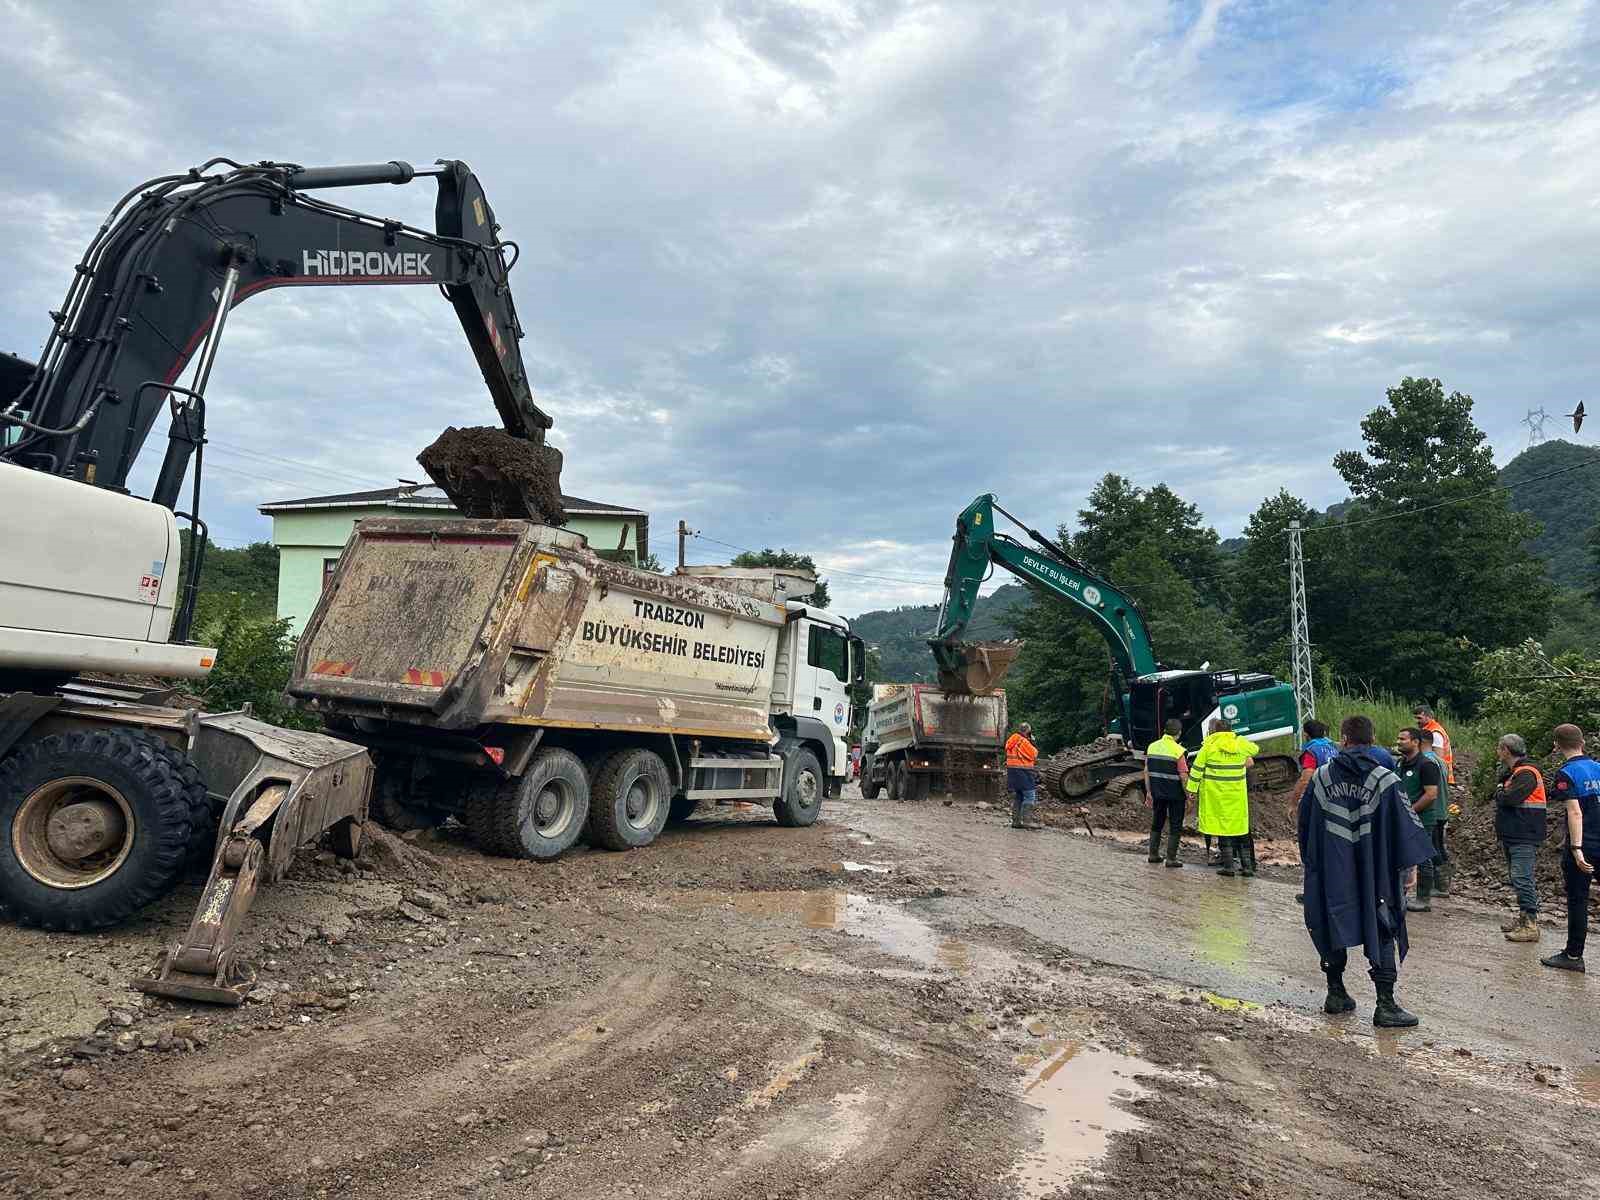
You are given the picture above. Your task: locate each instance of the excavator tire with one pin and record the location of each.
(629, 800)
(126, 844)
(202, 816)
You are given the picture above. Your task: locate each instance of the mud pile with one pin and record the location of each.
(488, 473)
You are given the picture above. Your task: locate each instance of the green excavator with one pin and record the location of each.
(1147, 693)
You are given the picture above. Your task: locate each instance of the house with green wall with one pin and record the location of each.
(310, 533)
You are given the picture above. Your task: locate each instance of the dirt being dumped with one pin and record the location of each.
(488, 473)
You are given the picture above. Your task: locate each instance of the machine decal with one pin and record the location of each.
(838, 714)
(370, 263)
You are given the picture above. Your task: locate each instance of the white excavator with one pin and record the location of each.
(106, 793)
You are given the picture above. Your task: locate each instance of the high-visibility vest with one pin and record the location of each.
(1524, 821)
(1020, 752)
(1441, 745)
(1161, 760)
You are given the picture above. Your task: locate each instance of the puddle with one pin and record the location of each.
(1079, 1092)
(894, 929)
(874, 868)
(1587, 1081)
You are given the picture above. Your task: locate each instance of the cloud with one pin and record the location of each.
(815, 274)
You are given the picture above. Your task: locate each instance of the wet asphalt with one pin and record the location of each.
(1238, 937)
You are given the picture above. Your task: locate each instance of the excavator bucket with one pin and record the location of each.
(491, 474)
(982, 665)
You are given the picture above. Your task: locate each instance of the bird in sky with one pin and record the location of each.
(1577, 417)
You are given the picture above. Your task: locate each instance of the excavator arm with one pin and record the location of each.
(179, 252)
(978, 547)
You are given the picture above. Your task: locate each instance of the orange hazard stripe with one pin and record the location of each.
(328, 667)
(420, 678)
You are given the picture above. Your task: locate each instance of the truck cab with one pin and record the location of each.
(819, 660)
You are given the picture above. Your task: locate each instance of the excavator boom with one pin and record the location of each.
(977, 667)
(178, 252)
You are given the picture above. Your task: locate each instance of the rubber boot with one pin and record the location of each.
(1420, 902)
(1338, 1000)
(1443, 875)
(1525, 930)
(1174, 840)
(1247, 856)
(1389, 1014)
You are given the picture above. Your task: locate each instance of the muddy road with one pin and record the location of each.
(902, 1001)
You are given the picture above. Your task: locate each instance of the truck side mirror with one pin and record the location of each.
(858, 660)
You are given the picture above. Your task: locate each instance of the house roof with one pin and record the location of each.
(428, 496)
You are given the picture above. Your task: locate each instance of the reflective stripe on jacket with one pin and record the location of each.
(1161, 759)
(1217, 778)
(1020, 752)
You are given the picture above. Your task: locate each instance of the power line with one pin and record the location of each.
(274, 459)
(827, 566)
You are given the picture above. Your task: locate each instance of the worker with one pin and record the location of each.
(1357, 836)
(1441, 747)
(1423, 782)
(1443, 868)
(1578, 783)
(1519, 821)
(1166, 769)
(1022, 777)
(1316, 749)
(1222, 798)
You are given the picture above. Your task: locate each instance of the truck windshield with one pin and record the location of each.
(826, 649)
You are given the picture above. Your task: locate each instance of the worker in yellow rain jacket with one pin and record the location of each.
(1217, 782)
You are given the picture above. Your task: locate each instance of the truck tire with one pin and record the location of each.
(395, 804)
(682, 809)
(893, 780)
(93, 826)
(629, 800)
(537, 816)
(916, 785)
(802, 792)
(870, 787)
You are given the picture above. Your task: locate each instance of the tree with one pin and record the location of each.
(249, 573)
(1592, 542)
(1445, 572)
(789, 561)
(254, 658)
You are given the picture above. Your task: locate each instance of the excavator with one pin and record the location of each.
(1148, 694)
(107, 792)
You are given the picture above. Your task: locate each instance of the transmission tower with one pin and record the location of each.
(1535, 421)
(1305, 693)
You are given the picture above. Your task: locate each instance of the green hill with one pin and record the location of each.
(899, 635)
(1567, 505)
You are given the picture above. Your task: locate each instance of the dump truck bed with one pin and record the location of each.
(916, 715)
(455, 624)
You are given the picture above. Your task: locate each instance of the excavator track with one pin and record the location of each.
(1079, 770)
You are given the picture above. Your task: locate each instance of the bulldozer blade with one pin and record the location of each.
(983, 666)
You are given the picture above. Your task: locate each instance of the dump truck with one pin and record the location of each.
(920, 739)
(503, 673)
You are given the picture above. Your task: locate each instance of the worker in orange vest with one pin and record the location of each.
(1444, 867)
(1022, 777)
(1519, 820)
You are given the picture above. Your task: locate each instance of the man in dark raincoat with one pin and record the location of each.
(1358, 838)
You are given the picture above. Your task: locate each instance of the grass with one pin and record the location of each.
(1390, 714)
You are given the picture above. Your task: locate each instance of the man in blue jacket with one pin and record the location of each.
(1577, 784)
(1358, 837)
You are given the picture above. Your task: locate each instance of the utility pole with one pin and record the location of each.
(1305, 692)
(1535, 421)
(684, 534)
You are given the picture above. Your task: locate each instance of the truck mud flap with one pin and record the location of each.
(284, 788)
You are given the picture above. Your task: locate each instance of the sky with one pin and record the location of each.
(815, 273)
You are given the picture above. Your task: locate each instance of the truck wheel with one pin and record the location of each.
(870, 787)
(802, 795)
(394, 803)
(682, 809)
(93, 826)
(630, 800)
(916, 785)
(537, 816)
(894, 780)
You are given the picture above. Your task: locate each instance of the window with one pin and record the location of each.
(328, 565)
(827, 651)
